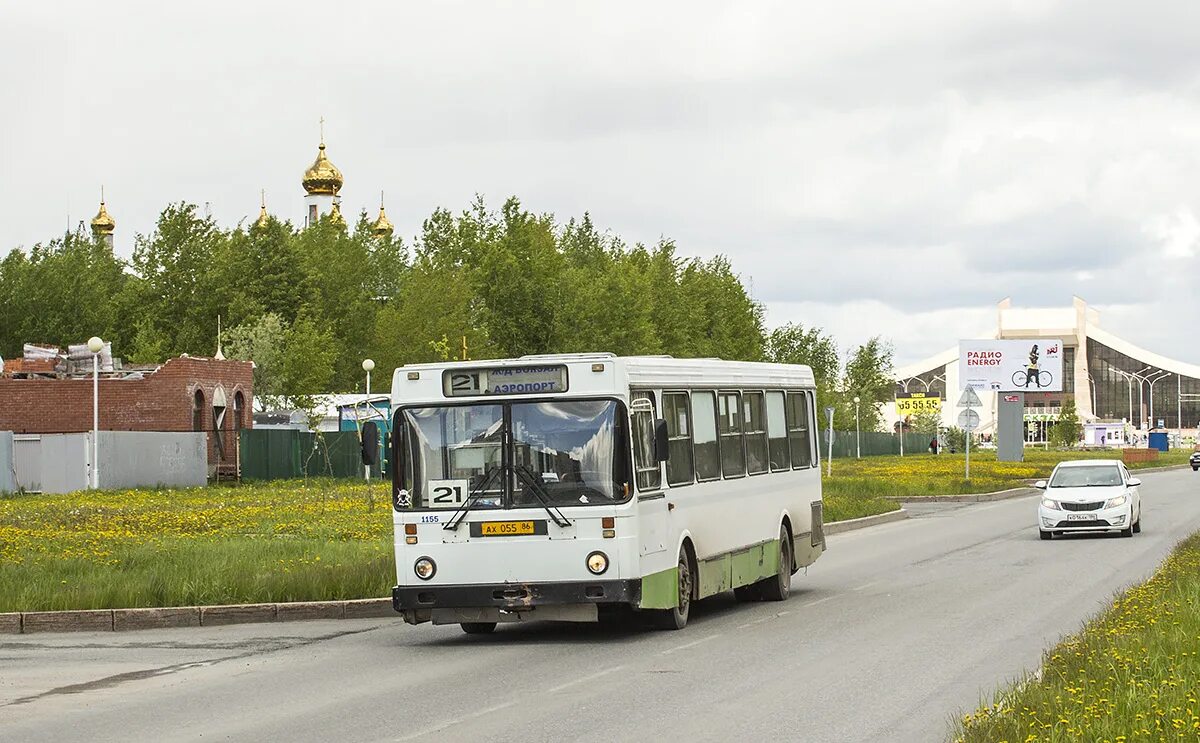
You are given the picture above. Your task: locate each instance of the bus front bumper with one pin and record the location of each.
(415, 602)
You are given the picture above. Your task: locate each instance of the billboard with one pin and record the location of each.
(917, 403)
(1010, 366)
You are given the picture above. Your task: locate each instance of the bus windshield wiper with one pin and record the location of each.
(461, 513)
(539, 492)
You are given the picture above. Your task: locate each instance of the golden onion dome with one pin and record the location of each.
(262, 212)
(322, 178)
(335, 214)
(103, 223)
(382, 226)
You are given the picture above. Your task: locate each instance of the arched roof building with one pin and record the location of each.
(1110, 379)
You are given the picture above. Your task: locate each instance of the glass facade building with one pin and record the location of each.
(1121, 387)
(1113, 382)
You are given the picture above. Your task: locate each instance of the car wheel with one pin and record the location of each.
(1137, 525)
(1127, 531)
(1195, 468)
(1045, 534)
(478, 628)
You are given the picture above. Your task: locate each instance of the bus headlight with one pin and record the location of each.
(425, 568)
(597, 563)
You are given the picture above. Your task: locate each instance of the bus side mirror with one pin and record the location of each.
(662, 451)
(370, 443)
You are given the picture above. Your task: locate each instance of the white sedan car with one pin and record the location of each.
(1089, 496)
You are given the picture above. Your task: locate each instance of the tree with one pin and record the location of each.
(291, 364)
(62, 292)
(925, 422)
(955, 439)
(791, 343)
(869, 377)
(179, 292)
(1068, 429)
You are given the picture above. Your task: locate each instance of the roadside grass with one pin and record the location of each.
(876, 478)
(1132, 673)
(282, 541)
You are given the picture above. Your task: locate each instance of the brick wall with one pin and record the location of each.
(163, 400)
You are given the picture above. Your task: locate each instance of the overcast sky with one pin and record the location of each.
(869, 167)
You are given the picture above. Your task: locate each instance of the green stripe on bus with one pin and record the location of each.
(660, 590)
(717, 574)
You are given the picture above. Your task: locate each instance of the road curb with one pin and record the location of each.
(1164, 468)
(156, 618)
(108, 620)
(837, 527)
(967, 498)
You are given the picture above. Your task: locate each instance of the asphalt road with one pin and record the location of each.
(894, 631)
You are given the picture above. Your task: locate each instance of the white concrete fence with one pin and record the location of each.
(60, 462)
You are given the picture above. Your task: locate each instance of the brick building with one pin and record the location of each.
(183, 394)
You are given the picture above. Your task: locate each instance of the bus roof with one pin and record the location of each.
(659, 371)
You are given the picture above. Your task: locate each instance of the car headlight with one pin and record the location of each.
(1051, 504)
(597, 563)
(425, 568)
(1120, 500)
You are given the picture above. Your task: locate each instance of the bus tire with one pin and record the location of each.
(779, 586)
(677, 618)
(478, 628)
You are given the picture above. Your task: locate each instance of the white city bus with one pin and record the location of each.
(576, 487)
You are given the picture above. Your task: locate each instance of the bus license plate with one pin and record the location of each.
(505, 528)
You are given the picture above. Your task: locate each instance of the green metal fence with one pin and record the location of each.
(875, 444)
(276, 454)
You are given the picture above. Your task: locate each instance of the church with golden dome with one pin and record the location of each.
(322, 183)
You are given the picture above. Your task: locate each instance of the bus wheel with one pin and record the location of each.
(779, 586)
(478, 628)
(677, 618)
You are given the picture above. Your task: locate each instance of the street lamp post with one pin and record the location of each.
(1140, 376)
(95, 345)
(1129, 379)
(857, 432)
(1153, 379)
(368, 366)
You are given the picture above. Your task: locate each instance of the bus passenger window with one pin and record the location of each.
(733, 455)
(649, 475)
(799, 431)
(679, 436)
(778, 432)
(704, 432)
(756, 433)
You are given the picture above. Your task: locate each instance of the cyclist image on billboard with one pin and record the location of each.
(1031, 374)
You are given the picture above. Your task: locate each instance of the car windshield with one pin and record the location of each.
(1101, 475)
(561, 453)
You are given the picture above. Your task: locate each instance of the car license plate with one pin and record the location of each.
(1081, 517)
(505, 528)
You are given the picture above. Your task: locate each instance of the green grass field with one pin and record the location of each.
(1131, 674)
(281, 541)
(320, 540)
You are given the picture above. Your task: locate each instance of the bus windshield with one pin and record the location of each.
(515, 455)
